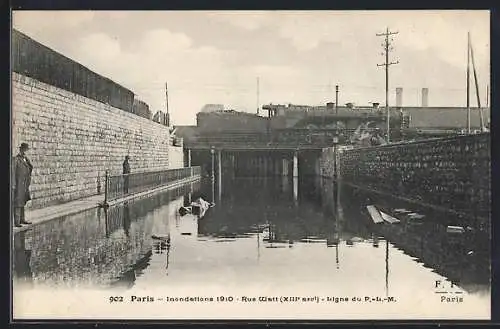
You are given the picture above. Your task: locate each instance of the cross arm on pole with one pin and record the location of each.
(391, 63)
(386, 34)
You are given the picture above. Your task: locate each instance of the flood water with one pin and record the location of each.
(266, 232)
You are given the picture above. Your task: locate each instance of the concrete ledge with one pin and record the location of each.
(42, 215)
(148, 192)
(39, 216)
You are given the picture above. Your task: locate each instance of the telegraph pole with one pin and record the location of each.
(468, 82)
(166, 103)
(477, 86)
(387, 47)
(258, 107)
(487, 96)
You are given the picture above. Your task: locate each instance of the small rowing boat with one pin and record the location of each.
(374, 214)
(388, 218)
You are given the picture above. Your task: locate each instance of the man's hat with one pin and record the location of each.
(24, 146)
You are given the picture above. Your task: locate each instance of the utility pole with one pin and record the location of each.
(488, 99)
(336, 100)
(468, 82)
(258, 105)
(166, 104)
(481, 119)
(387, 47)
(487, 96)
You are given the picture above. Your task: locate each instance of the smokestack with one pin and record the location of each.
(399, 97)
(425, 97)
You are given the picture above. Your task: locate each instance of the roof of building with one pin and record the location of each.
(186, 131)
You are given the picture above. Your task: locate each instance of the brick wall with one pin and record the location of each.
(453, 173)
(74, 139)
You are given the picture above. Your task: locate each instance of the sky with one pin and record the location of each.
(216, 57)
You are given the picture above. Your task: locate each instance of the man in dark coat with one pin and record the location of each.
(126, 172)
(21, 180)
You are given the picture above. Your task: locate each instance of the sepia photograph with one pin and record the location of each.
(250, 165)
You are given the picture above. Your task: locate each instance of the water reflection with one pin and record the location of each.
(464, 258)
(263, 230)
(22, 257)
(97, 247)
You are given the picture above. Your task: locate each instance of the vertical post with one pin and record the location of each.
(386, 46)
(337, 254)
(295, 177)
(98, 183)
(487, 96)
(386, 267)
(468, 82)
(189, 157)
(336, 100)
(258, 101)
(387, 84)
(166, 105)
(477, 87)
(295, 189)
(212, 152)
(106, 187)
(219, 174)
(295, 164)
(335, 158)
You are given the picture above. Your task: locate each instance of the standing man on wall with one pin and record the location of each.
(126, 172)
(21, 180)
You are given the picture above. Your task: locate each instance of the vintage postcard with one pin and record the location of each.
(262, 165)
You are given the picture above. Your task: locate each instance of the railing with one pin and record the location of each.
(118, 186)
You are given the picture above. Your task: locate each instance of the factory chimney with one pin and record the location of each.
(425, 97)
(399, 97)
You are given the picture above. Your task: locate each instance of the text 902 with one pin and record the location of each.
(116, 299)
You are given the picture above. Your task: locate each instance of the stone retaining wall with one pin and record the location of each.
(74, 139)
(453, 173)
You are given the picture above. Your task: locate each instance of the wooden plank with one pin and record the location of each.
(374, 214)
(455, 229)
(415, 215)
(388, 218)
(402, 211)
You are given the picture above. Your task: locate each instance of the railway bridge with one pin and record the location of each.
(448, 173)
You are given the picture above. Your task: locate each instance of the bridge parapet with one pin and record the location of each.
(448, 172)
(287, 138)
